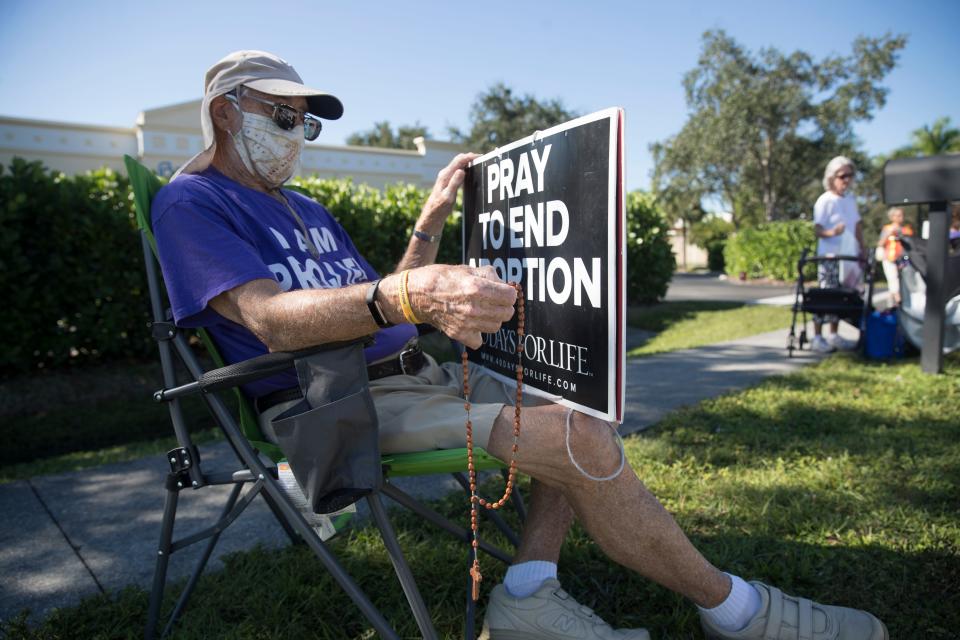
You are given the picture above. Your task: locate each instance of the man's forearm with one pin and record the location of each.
(308, 317)
(287, 321)
(436, 210)
(419, 253)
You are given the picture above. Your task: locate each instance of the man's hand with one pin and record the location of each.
(461, 301)
(839, 229)
(439, 204)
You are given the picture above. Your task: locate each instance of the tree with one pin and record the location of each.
(382, 135)
(762, 126)
(682, 202)
(936, 139)
(499, 117)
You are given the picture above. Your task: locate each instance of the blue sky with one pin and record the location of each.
(103, 62)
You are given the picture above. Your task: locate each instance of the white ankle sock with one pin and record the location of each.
(524, 579)
(738, 609)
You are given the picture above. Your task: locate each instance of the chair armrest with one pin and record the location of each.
(238, 373)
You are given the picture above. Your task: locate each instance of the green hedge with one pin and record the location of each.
(71, 270)
(380, 219)
(650, 261)
(768, 250)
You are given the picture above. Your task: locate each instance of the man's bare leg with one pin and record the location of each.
(621, 515)
(548, 519)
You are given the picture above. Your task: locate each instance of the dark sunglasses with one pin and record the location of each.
(287, 117)
(844, 176)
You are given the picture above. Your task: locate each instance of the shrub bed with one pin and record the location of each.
(650, 261)
(768, 250)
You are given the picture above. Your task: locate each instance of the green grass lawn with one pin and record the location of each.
(840, 482)
(685, 325)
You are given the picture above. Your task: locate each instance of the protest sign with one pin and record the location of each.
(548, 212)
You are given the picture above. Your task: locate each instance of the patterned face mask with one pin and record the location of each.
(267, 150)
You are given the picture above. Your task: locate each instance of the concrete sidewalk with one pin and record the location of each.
(67, 536)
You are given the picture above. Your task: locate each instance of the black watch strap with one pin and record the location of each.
(374, 306)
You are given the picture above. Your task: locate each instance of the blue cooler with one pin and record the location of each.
(883, 339)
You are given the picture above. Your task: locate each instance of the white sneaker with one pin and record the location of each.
(785, 617)
(841, 344)
(548, 614)
(820, 345)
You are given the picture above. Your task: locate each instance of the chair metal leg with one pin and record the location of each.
(163, 559)
(326, 557)
(201, 564)
(402, 569)
(438, 520)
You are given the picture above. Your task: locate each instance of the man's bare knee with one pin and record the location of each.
(551, 452)
(592, 447)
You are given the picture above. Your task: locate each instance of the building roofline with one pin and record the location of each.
(174, 106)
(59, 124)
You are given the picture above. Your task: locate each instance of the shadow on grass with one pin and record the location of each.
(286, 593)
(741, 435)
(842, 406)
(868, 577)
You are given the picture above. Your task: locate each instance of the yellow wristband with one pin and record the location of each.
(405, 299)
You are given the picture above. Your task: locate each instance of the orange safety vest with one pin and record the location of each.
(893, 246)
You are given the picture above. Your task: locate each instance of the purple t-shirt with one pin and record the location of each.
(214, 234)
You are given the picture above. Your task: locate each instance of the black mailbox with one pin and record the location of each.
(922, 180)
(935, 181)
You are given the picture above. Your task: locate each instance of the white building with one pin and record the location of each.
(166, 137)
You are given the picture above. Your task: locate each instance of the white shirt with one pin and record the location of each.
(829, 211)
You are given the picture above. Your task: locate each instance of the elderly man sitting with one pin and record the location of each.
(229, 239)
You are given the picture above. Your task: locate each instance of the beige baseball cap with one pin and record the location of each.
(261, 71)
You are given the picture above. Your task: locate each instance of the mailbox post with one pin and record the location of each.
(933, 181)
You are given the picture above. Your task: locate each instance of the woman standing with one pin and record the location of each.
(839, 232)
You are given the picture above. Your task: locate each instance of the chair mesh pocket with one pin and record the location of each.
(332, 443)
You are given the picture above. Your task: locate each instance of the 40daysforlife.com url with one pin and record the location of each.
(529, 375)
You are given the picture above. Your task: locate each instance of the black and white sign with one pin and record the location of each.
(548, 212)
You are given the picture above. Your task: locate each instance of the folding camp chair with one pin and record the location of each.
(248, 444)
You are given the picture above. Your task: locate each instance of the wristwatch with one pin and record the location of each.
(374, 306)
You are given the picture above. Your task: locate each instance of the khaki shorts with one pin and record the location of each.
(425, 411)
